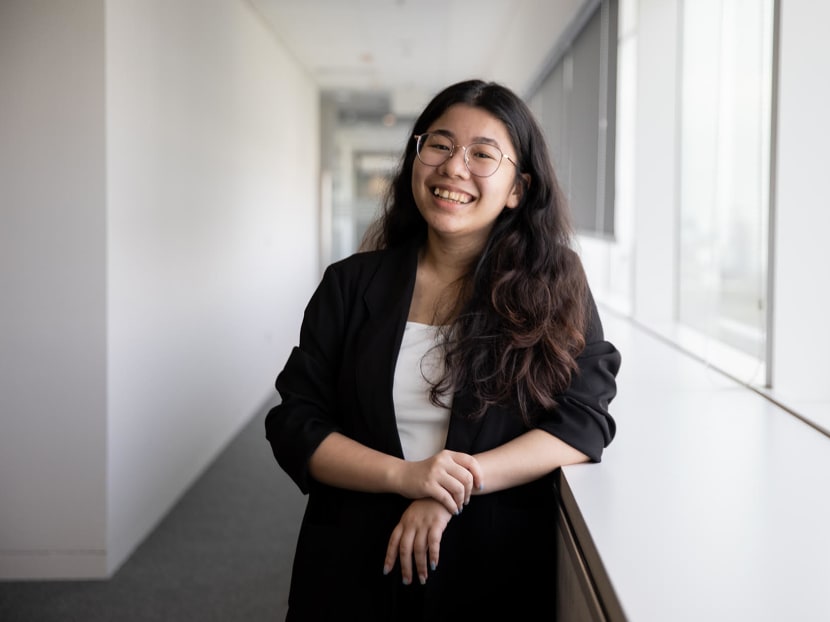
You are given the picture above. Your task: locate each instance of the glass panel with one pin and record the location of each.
(576, 104)
(724, 172)
(583, 89)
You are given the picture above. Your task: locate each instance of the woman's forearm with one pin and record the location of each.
(344, 463)
(528, 457)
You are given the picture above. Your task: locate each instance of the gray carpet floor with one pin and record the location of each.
(222, 554)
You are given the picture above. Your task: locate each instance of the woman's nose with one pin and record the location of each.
(456, 165)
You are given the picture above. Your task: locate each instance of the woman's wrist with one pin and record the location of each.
(394, 475)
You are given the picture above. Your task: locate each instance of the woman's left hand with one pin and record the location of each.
(417, 536)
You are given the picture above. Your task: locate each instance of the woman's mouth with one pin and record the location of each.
(455, 197)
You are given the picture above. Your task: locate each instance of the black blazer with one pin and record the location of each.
(340, 378)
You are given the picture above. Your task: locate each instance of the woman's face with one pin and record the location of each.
(456, 205)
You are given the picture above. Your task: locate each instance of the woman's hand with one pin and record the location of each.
(449, 477)
(417, 536)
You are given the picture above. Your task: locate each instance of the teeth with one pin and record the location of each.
(452, 196)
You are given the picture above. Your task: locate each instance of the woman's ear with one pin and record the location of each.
(521, 184)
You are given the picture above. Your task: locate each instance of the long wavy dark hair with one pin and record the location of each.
(520, 322)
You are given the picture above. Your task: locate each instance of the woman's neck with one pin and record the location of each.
(439, 282)
(448, 260)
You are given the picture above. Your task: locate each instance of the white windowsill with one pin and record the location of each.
(711, 503)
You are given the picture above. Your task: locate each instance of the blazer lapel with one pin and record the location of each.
(387, 298)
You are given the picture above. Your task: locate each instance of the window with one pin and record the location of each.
(575, 104)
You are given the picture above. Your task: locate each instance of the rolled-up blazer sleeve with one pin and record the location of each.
(304, 417)
(581, 417)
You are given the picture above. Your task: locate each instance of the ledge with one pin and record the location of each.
(710, 504)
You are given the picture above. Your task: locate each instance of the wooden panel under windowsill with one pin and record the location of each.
(583, 592)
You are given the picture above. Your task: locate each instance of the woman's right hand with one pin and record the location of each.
(449, 477)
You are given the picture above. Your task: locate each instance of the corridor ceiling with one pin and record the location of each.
(406, 48)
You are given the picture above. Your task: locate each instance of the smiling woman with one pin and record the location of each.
(510, 380)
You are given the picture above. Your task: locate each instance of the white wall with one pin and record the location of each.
(655, 212)
(184, 249)
(52, 288)
(802, 220)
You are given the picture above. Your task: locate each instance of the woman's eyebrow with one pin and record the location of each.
(475, 139)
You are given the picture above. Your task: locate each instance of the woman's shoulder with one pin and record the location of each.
(367, 262)
(370, 276)
(359, 259)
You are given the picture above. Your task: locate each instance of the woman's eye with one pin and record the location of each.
(438, 146)
(484, 154)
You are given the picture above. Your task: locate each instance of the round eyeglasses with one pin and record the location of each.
(482, 159)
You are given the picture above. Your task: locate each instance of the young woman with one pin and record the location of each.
(441, 377)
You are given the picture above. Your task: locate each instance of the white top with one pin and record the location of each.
(422, 426)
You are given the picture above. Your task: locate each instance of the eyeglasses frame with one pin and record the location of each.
(504, 156)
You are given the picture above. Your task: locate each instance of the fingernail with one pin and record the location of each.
(433, 566)
(386, 570)
(406, 581)
(423, 580)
